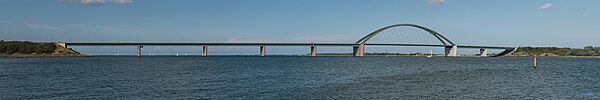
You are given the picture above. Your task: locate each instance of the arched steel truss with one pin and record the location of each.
(439, 36)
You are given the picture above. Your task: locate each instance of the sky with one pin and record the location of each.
(562, 23)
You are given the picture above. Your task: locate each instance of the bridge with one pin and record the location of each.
(358, 47)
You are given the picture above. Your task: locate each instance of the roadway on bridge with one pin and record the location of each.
(274, 44)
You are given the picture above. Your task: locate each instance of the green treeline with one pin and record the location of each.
(586, 51)
(26, 47)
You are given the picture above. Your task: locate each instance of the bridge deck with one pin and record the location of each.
(274, 44)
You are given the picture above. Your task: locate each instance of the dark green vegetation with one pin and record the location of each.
(555, 51)
(26, 47)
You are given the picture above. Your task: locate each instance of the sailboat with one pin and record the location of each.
(430, 53)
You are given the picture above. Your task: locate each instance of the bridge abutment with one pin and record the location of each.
(483, 52)
(359, 50)
(62, 44)
(450, 51)
(506, 52)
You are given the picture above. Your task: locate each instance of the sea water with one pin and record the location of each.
(294, 77)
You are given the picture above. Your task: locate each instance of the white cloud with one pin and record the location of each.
(437, 1)
(122, 1)
(98, 2)
(86, 2)
(46, 27)
(545, 6)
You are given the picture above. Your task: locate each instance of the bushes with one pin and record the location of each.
(586, 51)
(26, 47)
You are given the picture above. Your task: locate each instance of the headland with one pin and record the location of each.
(17, 49)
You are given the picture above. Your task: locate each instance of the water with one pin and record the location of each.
(298, 78)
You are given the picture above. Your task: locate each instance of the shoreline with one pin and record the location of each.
(557, 56)
(40, 55)
(80, 55)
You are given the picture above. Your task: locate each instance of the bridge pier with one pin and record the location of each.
(451, 51)
(139, 51)
(262, 51)
(313, 51)
(483, 52)
(359, 50)
(204, 51)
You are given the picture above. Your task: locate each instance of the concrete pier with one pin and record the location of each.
(262, 51)
(483, 52)
(204, 51)
(313, 51)
(139, 49)
(359, 50)
(451, 51)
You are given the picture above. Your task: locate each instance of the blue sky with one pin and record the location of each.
(563, 23)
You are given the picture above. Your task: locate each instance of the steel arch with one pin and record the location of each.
(435, 34)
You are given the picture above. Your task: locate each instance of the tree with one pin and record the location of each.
(25, 47)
